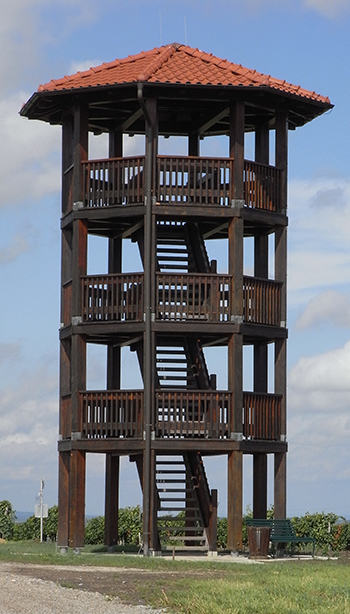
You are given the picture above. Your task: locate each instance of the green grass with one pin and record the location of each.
(285, 588)
(213, 587)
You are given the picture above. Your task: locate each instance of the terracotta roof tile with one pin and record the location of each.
(175, 64)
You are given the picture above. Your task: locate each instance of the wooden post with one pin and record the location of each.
(237, 122)
(234, 501)
(262, 144)
(259, 485)
(193, 144)
(282, 155)
(155, 547)
(235, 343)
(235, 238)
(77, 499)
(151, 119)
(213, 521)
(280, 495)
(67, 164)
(63, 500)
(111, 500)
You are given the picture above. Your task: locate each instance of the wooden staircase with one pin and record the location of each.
(187, 509)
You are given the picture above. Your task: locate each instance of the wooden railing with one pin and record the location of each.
(113, 413)
(262, 186)
(179, 414)
(180, 297)
(194, 297)
(112, 297)
(261, 416)
(114, 181)
(193, 414)
(202, 181)
(262, 301)
(180, 179)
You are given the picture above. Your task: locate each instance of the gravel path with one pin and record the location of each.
(25, 595)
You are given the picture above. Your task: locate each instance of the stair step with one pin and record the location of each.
(171, 471)
(172, 509)
(170, 463)
(169, 490)
(184, 530)
(168, 500)
(187, 538)
(165, 481)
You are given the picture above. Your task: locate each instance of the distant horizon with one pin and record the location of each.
(304, 42)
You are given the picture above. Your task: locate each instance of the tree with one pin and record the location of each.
(7, 520)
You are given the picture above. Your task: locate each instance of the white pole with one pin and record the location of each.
(41, 509)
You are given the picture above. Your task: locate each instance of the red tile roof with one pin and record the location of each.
(176, 64)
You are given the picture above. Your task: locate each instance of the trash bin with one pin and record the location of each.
(258, 540)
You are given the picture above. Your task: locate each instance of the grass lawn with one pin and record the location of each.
(213, 587)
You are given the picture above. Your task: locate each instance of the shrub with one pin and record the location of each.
(322, 527)
(7, 520)
(30, 529)
(95, 531)
(130, 525)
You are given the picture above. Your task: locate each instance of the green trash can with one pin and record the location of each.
(258, 540)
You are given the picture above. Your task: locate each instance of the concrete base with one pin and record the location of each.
(212, 553)
(155, 553)
(63, 549)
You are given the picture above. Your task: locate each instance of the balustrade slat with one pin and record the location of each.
(262, 416)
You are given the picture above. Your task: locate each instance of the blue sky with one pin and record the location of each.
(305, 42)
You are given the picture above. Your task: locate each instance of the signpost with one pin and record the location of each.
(41, 509)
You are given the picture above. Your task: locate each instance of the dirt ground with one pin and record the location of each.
(130, 585)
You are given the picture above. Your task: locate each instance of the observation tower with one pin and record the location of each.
(174, 208)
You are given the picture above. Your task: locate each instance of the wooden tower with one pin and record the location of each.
(178, 304)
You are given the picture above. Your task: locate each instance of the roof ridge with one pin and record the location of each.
(164, 54)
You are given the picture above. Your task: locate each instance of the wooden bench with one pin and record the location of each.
(282, 531)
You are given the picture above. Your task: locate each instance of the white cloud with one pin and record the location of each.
(327, 373)
(319, 417)
(29, 426)
(81, 66)
(329, 8)
(18, 245)
(9, 352)
(29, 151)
(328, 305)
(318, 255)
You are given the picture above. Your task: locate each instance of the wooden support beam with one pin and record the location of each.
(282, 154)
(131, 120)
(262, 135)
(235, 264)
(260, 367)
(261, 256)
(259, 485)
(111, 500)
(237, 122)
(78, 381)
(193, 144)
(115, 143)
(77, 499)
(80, 148)
(155, 546)
(63, 500)
(281, 380)
(234, 501)
(201, 129)
(67, 164)
(280, 485)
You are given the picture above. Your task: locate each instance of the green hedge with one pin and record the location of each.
(328, 530)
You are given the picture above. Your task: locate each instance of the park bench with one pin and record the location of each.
(282, 532)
